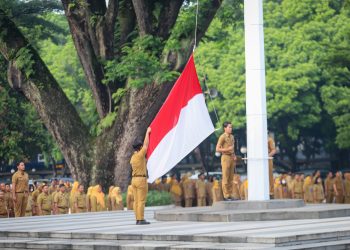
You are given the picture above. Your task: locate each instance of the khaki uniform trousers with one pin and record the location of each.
(62, 210)
(330, 197)
(140, 187)
(20, 204)
(188, 202)
(339, 199)
(201, 202)
(228, 168)
(46, 212)
(80, 210)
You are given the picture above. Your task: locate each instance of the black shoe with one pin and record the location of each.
(227, 199)
(142, 222)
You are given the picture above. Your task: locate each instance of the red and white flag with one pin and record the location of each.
(181, 124)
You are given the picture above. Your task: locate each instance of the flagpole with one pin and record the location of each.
(258, 181)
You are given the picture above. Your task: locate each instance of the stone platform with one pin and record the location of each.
(255, 211)
(117, 230)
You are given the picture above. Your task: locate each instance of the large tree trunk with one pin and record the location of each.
(28, 74)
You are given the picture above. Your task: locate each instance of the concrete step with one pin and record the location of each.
(41, 243)
(220, 214)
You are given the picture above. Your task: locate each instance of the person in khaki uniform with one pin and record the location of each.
(88, 197)
(297, 191)
(201, 191)
(318, 191)
(20, 190)
(271, 151)
(307, 188)
(329, 189)
(163, 186)
(72, 195)
(139, 178)
(347, 188)
(217, 191)
(44, 202)
(188, 190)
(130, 198)
(3, 205)
(225, 146)
(80, 200)
(236, 185)
(30, 205)
(9, 199)
(35, 196)
(339, 188)
(276, 188)
(175, 191)
(97, 199)
(61, 201)
(109, 198)
(243, 191)
(116, 199)
(209, 187)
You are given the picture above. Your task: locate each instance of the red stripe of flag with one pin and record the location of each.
(177, 99)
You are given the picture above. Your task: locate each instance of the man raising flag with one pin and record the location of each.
(182, 123)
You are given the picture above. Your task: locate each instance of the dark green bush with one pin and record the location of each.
(155, 198)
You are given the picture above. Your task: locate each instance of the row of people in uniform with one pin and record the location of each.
(62, 199)
(311, 188)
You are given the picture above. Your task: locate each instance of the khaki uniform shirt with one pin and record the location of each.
(339, 185)
(201, 189)
(45, 201)
(298, 187)
(226, 141)
(163, 187)
(21, 181)
(3, 208)
(35, 196)
(9, 200)
(138, 163)
(318, 192)
(62, 200)
(328, 183)
(81, 200)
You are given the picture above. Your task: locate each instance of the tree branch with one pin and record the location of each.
(167, 17)
(143, 13)
(28, 73)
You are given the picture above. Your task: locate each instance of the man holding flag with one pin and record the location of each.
(139, 178)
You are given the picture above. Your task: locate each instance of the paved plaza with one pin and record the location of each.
(117, 230)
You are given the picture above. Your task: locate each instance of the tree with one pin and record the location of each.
(127, 49)
(307, 73)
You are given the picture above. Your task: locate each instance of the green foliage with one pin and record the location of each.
(117, 96)
(22, 134)
(155, 198)
(24, 61)
(307, 71)
(106, 122)
(140, 64)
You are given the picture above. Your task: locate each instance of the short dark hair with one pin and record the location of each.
(61, 185)
(225, 124)
(137, 145)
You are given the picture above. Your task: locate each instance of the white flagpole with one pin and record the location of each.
(258, 181)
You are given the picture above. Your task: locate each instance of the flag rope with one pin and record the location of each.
(196, 27)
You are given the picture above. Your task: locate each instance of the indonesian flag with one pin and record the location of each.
(181, 124)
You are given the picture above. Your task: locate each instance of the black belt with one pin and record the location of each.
(21, 192)
(63, 207)
(139, 176)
